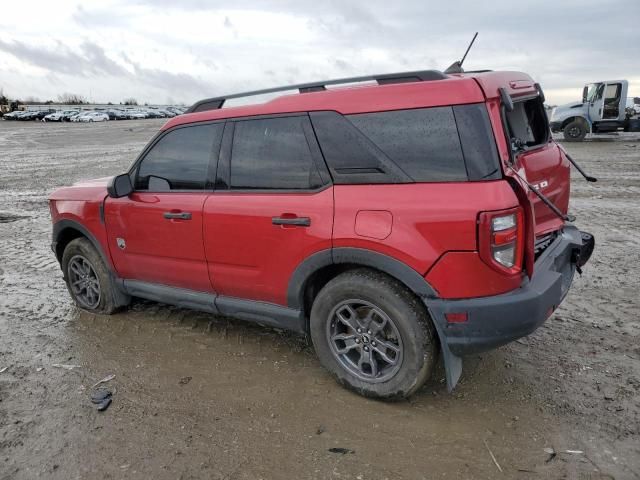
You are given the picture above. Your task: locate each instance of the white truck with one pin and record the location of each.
(603, 109)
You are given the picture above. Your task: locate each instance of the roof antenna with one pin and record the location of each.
(456, 67)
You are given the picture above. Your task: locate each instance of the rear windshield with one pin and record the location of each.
(528, 125)
(439, 144)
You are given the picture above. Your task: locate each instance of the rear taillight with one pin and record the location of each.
(501, 239)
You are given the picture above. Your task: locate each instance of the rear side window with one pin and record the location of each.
(424, 142)
(439, 144)
(180, 159)
(272, 153)
(528, 125)
(477, 141)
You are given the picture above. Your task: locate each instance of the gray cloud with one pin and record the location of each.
(563, 44)
(180, 83)
(90, 60)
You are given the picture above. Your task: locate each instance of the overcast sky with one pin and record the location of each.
(179, 51)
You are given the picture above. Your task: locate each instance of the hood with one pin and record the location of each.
(570, 105)
(87, 190)
(568, 109)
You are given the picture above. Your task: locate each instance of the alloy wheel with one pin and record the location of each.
(365, 340)
(84, 282)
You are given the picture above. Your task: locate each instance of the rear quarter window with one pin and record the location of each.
(424, 143)
(439, 144)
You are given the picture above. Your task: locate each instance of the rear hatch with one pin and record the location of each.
(539, 160)
(528, 153)
(527, 141)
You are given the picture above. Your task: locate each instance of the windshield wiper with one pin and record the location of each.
(543, 198)
(587, 177)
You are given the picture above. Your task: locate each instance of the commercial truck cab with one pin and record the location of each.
(601, 110)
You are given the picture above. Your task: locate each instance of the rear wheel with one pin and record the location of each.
(574, 131)
(373, 335)
(87, 277)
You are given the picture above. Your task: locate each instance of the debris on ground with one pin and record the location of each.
(184, 380)
(106, 379)
(102, 398)
(552, 454)
(3, 369)
(65, 366)
(102, 406)
(493, 457)
(342, 451)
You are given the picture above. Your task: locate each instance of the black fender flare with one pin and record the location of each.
(64, 224)
(358, 256)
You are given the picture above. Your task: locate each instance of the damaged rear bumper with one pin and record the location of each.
(500, 319)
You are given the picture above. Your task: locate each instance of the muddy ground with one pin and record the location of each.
(204, 397)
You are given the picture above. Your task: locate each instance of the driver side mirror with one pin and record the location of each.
(585, 91)
(120, 186)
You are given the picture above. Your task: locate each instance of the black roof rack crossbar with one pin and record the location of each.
(383, 79)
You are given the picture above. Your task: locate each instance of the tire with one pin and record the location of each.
(79, 254)
(399, 322)
(575, 131)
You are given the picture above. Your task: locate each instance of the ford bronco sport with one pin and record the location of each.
(412, 215)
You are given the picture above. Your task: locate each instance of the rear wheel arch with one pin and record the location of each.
(320, 268)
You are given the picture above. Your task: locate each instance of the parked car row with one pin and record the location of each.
(97, 115)
(27, 114)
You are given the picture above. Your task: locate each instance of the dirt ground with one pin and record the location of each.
(205, 397)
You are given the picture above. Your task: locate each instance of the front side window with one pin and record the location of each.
(272, 153)
(180, 159)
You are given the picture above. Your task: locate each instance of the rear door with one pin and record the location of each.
(155, 234)
(271, 209)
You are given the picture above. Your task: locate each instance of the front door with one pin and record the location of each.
(596, 102)
(272, 208)
(614, 102)
(155, 234)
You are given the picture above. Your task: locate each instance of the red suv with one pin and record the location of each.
(413, 214)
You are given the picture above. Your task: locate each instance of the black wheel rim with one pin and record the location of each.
(365, 340)
(84, 282)
(574, 132)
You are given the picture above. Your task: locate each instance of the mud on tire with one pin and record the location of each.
(366, 314)
(84, 271)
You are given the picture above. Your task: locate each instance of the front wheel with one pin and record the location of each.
(87, 277)
(574, 131)
(373, 335)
